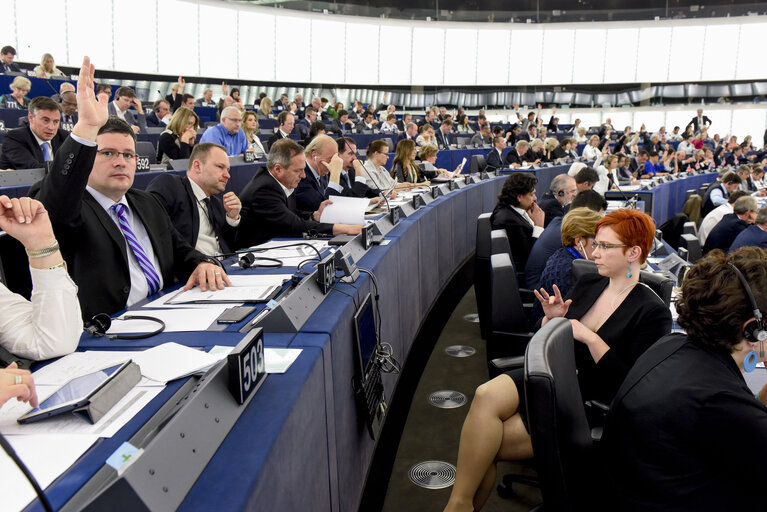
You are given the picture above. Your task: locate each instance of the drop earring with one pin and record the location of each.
(749, 363)
(629, 274)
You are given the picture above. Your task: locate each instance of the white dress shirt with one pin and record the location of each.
(591, 152)
(48, 326)
(537, 230)
(207, 241)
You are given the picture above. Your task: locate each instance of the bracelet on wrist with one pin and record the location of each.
(45, 251)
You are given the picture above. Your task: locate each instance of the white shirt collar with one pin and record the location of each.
(199, 194)
(524, 214)
(315, 173)
(285, 189)
(105, 202)
(38, 139)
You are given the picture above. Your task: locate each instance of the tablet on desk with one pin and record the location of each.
(74, 394)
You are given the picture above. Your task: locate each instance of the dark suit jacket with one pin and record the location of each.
(494, 160)
(175, 195)
(753, 235)
(268, 213)
(338, 127)
(274, 138)
(92, 243)
(154, 121)
(442, 140)
(302, 128)
(512, 157)
(724, 233)
(551, 207)
(694, 122)
(519, 231)
(309, 193)
(21, 150)
(13, 68)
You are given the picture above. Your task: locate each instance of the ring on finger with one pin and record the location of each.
(17, 379)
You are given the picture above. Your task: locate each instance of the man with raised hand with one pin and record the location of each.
(119, 244)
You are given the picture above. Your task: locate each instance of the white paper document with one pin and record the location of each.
(76, 364)
(46, 456)
(176, 320)
(345, 210)
(171, 361)
(278, 360)
(227, 295)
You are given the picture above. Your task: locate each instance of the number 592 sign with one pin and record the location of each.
(246, 365)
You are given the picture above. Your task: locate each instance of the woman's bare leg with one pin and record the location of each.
(481, 439)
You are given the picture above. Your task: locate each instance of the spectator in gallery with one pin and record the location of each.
(7, 55)
(18, 97)
(47, 68)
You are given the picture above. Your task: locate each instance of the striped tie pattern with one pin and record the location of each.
(152, 279)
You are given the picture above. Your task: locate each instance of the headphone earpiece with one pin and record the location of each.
(561, 193)
(754, 330)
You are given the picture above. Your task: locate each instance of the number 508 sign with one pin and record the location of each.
(246, 365)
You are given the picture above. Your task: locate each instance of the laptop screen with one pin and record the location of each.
(366, 337)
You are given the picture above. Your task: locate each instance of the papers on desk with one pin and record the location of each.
(230, 294)
(345, 210)
(171, 361)
(46, 456)
(176, 320)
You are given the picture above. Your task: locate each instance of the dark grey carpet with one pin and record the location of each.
(432, 433)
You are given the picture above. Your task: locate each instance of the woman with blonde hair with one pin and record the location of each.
(265, 108)
(428, 155)
(591, 151)
(18, 97)
(47, 68)
(404, 167)
(250, 127)
(179, 137)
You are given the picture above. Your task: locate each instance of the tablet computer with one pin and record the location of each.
(74, 394)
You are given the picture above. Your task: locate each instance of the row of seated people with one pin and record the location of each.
(618, 326)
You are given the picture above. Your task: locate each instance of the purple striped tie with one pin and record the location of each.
(152, 279)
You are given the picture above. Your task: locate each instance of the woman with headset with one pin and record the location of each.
(685, 432)
(48, 326)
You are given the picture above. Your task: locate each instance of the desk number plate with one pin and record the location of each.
(247, 369)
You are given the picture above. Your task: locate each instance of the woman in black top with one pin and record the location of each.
(403, 166)
(614, 319)
(685, 432)
(178, 139)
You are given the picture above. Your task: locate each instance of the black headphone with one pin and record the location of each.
(561, 193)
(100, 323)
(754, 331)
(249, 260)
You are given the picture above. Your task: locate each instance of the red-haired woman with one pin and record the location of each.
(615, 319)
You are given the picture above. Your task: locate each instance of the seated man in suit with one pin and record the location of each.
(64, 87)
(514, 158)
(68, 110)
(187, 100)
(286, 122)
(206, 100)
(586, 178)
(320, 155)
(714, 216)
(561, 192)
(305, 124)
(269, 203)
(205, 220)
(353, 179)
(341, 124)
(754, 235)
(719, 191)
(402, 123)
(517, 213)
(443, 141)
(228, 133)
(160, 115)
(483, 137)
(7, 54)
(736, 157)
(119, 244)
(124, 98)
(724, 233)
(368, 123)
(410, 133)
(29, 147)
(494, 158)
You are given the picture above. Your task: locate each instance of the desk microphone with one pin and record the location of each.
(380, 192)
(612, 180)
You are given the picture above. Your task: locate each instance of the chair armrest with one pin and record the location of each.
(508, 363)
(527, 295)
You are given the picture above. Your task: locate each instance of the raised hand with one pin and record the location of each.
(27, 221)
(92, 112)
(553, 305)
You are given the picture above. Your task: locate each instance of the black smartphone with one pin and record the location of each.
(235, 314)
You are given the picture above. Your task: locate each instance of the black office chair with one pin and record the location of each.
(499, 244)
(146, 148)
(690, 228)
(563, 442)
(14, 266)
(482, 273)
(389, 143)
(692, 244)
(510, 323)
(478, 163)
(672, 229)
(659, 283)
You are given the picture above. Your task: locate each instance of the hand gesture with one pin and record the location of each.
(27, 221)
(209, 276)
(553, 110)
(516, 106)
(537, 215)
(232, 205)
(553, 305)
(137, 104)
(189, 135)
(181, 83)
(24, 391)
(224, 88)
(335, 166)
(92, 113)
(318, 214)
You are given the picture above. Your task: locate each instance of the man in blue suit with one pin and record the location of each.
(724, 234)
(754, 235)
(494, 158)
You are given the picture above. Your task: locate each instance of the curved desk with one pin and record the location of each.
(299, 444)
